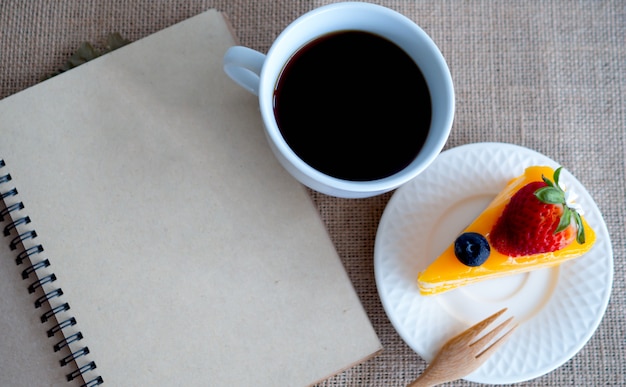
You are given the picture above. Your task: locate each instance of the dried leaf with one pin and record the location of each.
(115, 41)
(86, 52)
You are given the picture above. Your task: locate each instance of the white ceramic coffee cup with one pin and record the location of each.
(259, 74)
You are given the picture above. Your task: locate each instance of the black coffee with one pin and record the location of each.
(353, 105)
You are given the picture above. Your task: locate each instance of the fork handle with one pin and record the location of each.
(432, 377)
(421, 382)
(428, 379)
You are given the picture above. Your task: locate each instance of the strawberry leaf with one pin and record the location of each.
(550, 195)
(557, 174)
(547, 181)
(580, 233)
(565, 221)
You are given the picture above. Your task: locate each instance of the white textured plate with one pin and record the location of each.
(558, 309)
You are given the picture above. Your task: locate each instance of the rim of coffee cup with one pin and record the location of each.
(442, 95)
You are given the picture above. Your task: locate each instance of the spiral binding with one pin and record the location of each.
(28, 254)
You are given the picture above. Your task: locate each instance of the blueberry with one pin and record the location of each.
(471, 248)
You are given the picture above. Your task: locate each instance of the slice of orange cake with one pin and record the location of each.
(529, 225)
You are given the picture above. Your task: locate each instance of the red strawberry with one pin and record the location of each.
(537, 220)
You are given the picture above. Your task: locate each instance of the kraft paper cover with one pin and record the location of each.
(187, 254)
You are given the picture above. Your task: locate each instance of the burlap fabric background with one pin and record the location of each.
(547, 75)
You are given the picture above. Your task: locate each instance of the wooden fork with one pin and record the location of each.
(461, 355)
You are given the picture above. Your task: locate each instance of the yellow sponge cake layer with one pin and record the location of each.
(447, 272)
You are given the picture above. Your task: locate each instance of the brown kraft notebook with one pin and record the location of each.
(151, 238)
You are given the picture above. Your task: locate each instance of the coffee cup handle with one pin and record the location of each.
(243, 65)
